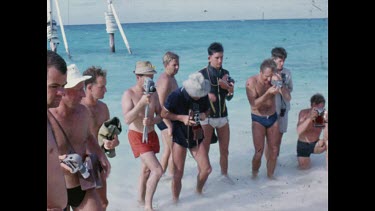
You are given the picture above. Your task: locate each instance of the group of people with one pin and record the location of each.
(77, 166)
(191, 117)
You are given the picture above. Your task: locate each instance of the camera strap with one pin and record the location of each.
(283, 102)
(62, 130)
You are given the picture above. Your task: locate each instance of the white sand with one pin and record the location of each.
(292, 190)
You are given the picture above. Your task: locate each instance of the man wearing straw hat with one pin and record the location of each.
(142, 137)
(75, 137)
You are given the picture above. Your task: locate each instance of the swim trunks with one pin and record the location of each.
(161, 126)
(75, 196)
(215, 122)
(304, 149)
(135, 140)
(266, 121)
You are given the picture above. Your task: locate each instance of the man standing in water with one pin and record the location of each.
(134, 102)
(261, 95)
(75, 137)
(222, 88)
(167, 83)
(57, 197)
(99, 113)
(186, 107)
(283, 98)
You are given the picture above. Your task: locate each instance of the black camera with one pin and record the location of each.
(149, 86)
(196, 116)
(230, 80)
(283, 77)
(282, 112)
(278, 83)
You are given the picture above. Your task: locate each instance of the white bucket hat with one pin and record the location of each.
(74, 76)
(196, 85)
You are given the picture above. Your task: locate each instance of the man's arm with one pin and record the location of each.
(131, 111)
(305, 120)
(171, 116)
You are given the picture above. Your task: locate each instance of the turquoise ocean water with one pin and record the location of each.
(246, 44)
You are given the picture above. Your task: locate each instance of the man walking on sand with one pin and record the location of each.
(57, 197)
(95, 88)
(134, 102)
(165, 84)
(71, 119)
(261, 95)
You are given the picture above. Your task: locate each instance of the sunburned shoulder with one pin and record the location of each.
(251, 80)
(304, 111)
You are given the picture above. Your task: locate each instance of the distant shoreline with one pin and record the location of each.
(234, 20)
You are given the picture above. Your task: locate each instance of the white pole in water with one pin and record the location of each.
(119, 26)
(62, 28)
(52, 44)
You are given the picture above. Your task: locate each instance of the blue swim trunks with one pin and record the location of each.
(266, 121)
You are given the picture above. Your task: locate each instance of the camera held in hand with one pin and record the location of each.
(278, 83)
(319, 120)
(196, 117)
(230, 80)
(149, 86)
(74, 161)
(283, 77)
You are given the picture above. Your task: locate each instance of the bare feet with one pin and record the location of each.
(254, 174)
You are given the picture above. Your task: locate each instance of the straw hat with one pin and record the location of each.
(196, 85)
(74, 77)
(145, 68)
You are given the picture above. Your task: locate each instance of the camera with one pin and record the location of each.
(283, 77)
(319, 120)
(282, 112)
(230, 80)
(278, 83)
(74, 161)
(320, 111)
(196, 117)
(149, 86)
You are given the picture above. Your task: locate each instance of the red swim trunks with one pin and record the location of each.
(135, 141)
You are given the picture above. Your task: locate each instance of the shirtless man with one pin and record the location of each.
(283, 99)
(184, 107)
(134, 103)
(57, 197)
(165, 84)
(261, 95)
(71, 123)
(309, 132)
(99, 113)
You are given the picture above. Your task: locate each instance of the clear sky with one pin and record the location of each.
(135, 11)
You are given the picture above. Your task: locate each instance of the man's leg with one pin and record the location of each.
(223, 136)
(156, 171)
(258, 132)
(207, 130)
(179, 156)
(272, 136)
(166, 159)
(204, 167)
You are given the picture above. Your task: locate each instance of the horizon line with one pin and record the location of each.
(200, 21)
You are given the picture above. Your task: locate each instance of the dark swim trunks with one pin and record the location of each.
(75, 196)
(304, 149)
(187, 144)
(162, 126)
(266, 121)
